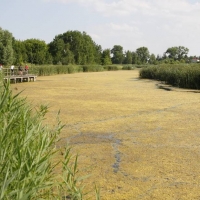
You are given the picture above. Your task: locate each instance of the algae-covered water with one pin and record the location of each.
(137, 140)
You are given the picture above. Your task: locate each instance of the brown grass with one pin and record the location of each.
(137, 141)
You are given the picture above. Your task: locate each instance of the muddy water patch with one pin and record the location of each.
(98, 138)
(117, 155)
(90, 138)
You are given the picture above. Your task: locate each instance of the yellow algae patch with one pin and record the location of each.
(136, 140)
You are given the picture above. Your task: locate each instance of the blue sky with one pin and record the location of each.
(155, 24)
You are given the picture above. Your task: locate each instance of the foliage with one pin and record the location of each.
(128, 67)
(152, 59)
(27, 151)
(134, 58)
(113, 67)
(142, 55)
(118, 56)
(32, 51)
(74, 47)
(92, 68)
(128, 57)
(47, 70)
(106, 59)
(97, 54)
(177, 53)
(36, 51)
(6, 48)
(19, 52)
(78, 48)
(184, 76)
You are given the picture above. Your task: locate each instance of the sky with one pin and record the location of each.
(155, 24)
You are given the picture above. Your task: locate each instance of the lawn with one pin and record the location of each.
(136, 140)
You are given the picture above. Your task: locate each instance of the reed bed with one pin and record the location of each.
(182, 76)
(47, 70)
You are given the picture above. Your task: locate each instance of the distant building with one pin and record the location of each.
(195, 60)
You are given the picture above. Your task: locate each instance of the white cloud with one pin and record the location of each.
(122, 27)
(156, 24)
(115, 7)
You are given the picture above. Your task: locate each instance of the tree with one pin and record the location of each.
(36, 51)
(57, 49)
(177, 53)
(106, 59)
(75, 47)
(158, 57)
(182, 52)
(134, 58)
(118, 56)
(152, 59)
(49, 59)
(172, 52)
(68, 56)
(128, 57)
(143, 54)
(6, 49)
(20, 55)
(98, 54)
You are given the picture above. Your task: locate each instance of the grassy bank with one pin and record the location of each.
(183, 76)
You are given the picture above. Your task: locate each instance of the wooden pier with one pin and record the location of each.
(18, 77)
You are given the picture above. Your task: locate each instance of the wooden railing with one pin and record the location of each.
(17, 76)
(8, 72)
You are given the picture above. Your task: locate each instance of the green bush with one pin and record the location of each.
(111, 68)
(92, 68)
(141, 66)
(128, 67)
(27, 154)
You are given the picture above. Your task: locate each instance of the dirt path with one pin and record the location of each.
(138, 140)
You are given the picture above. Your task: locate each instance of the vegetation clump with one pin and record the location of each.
(28, 148)
(183, 76)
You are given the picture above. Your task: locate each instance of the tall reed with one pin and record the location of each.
(47, 70)
(27, 154)
(183, 76)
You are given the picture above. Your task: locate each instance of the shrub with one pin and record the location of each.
(111, 68)
(128, 67)
(92, 68)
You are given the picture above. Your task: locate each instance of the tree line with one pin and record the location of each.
(75, 47)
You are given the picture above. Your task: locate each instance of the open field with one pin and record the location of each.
(136, 140)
